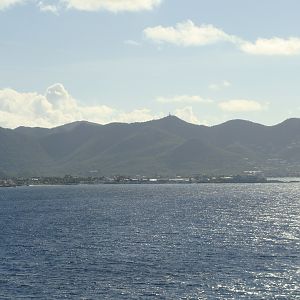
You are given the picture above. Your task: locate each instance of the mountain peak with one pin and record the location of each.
(171, 120)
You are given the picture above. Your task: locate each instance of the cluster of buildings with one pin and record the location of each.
(76, 180)
(7, 183)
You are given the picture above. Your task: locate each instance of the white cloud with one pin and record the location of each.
(183, 99)
(7, 3)
(88, 5)
(112, 5)
(132, 43)
(241, 105)
(187, 114)
(188, 34)
(219, 86)
(57, 107)
(51, 8)
(273, 46)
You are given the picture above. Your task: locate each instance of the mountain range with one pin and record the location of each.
(168, 146)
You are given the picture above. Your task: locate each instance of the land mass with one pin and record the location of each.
(165, 147)
(75, 180)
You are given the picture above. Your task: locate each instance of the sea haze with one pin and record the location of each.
(226, 241)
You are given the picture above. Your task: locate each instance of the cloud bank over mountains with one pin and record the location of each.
(188, 34)
(57, 107)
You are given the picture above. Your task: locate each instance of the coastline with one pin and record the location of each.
(152, 183)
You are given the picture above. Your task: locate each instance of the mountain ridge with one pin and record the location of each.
(167, 146)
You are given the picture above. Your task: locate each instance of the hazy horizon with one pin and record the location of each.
(156, 119)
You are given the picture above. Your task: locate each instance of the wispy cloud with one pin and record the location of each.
(132, 43)
(183, 99)
(45, 7)
(187, 114)
(242, 105)
(137, 115)
(187, 34)
(219, 86)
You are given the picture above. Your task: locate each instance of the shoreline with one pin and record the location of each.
(144, 183)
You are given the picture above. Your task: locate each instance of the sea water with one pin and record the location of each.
(204, 241)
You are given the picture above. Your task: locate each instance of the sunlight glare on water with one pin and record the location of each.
(226, 241)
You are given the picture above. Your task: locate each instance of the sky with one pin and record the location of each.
(205, 61)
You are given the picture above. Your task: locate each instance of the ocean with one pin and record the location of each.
(202, 241)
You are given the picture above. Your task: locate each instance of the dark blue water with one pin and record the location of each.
(150, 242)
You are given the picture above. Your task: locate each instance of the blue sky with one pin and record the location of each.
(134, 60)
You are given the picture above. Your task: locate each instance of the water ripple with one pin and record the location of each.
(232, 241)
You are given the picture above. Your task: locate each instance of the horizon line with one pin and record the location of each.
(152, 120)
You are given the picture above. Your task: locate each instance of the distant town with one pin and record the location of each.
(247, 177)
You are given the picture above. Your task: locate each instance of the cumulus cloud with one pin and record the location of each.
(241, 105)
(183, 99)
(57, 107)
(188, 34)
(89, 5)
(112, 5)
(7, 3)
(187, 114)
(219, 86)
(273, 46)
